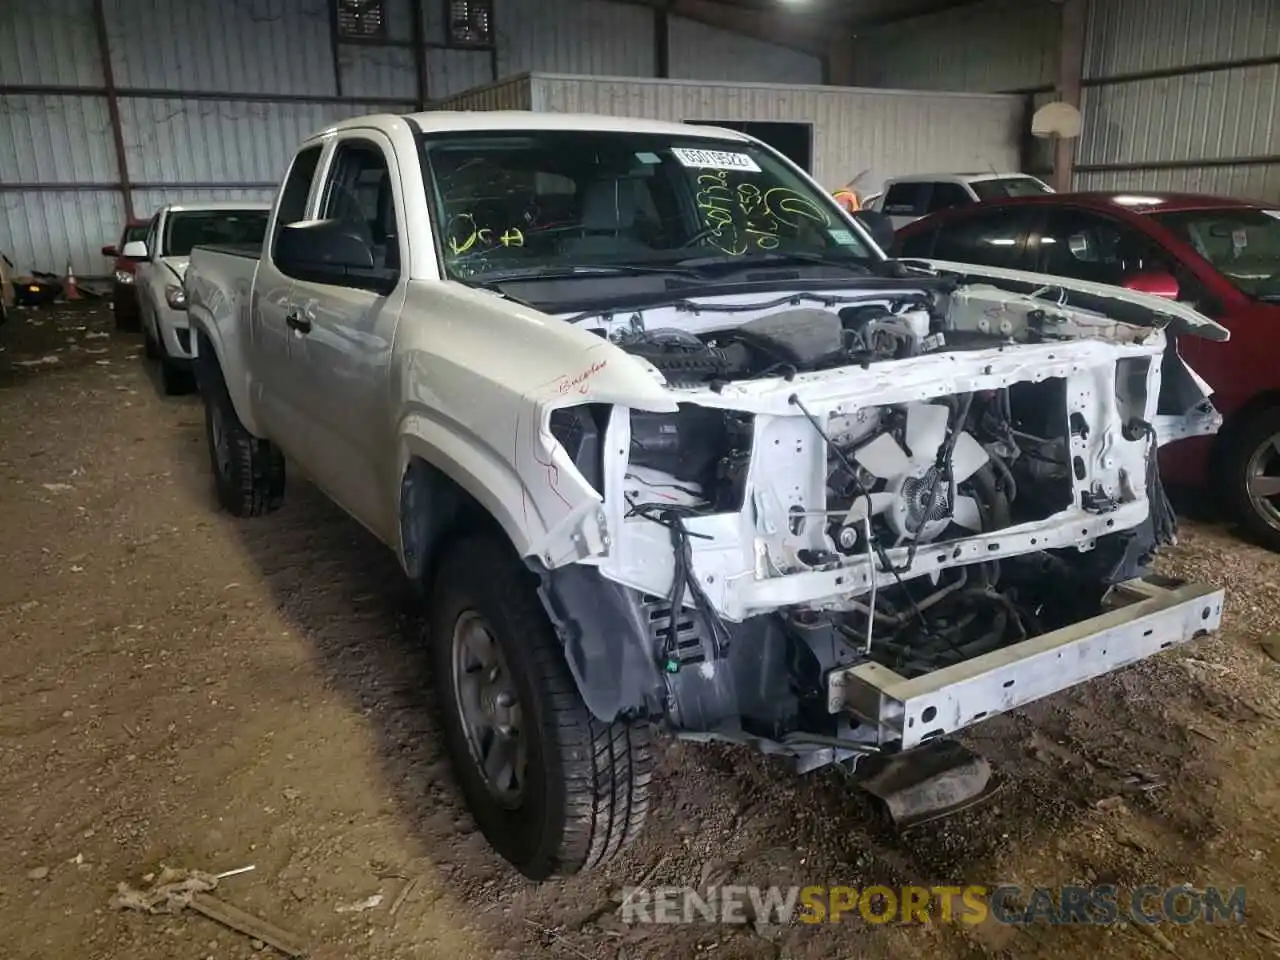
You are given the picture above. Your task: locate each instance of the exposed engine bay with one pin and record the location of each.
(905, 485)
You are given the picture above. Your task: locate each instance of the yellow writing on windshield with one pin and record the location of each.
(740, 217)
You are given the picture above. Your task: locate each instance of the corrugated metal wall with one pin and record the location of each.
(248, 84)
(1187, 100)
(699, 52)
(213, 95)
(48, 142)
(993, 46)
(1178, 94)
(881, 132)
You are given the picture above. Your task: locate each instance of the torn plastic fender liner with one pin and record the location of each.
(602, 626)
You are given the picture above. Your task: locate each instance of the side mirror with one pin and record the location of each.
(134, 250)
(330, 251)
(110, 251)
(1155, 282)
(878, 225)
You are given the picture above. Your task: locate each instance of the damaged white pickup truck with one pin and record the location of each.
(669, 442)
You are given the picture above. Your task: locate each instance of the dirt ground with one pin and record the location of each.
(178, 687)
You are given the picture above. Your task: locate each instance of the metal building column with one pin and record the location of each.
(838, 64)
(113, 108)
(420, 54)
(1075, 21)
(662, 39)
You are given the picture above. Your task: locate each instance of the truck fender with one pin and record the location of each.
(482, 476)
(229, 354)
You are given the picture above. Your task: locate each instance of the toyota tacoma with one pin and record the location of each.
(670, 444)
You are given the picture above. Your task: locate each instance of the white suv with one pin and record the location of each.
(904, 199)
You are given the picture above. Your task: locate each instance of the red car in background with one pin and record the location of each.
(124, 299)
(1220, 256)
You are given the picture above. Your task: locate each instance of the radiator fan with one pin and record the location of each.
(910, 474)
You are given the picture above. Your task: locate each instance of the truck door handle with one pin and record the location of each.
(296, 321)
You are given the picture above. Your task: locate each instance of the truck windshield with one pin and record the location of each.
(1243, 245)
(1006, 187)
(561, 199)
(185, 229)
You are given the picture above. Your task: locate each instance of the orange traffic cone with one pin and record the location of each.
(69, 289)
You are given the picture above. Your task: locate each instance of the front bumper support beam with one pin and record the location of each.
(1142, 617)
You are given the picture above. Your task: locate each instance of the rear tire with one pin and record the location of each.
(126, 319)
(248, 472)
(1250, 457)
(583, 793)
(174, 380)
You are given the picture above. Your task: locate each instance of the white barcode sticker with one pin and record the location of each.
(714, 159)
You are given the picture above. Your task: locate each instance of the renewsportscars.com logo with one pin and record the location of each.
(972, 904)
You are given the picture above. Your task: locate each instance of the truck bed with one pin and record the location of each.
(252, 251)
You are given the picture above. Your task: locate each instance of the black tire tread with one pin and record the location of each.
(256, 483)
(605, 769)
(1238, 447)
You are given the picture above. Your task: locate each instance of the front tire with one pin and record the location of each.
(1250, 477)
(554, 790)
(248, 471)
(126, 317)
(150, 349)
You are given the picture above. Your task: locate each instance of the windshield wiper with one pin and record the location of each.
(771, 258)
(564, 272)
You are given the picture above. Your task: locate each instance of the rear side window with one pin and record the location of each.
(297, 187)
(906, 199)
(994, 239)
(359, 194)
(1083, 245)
(918, 244)
(948, 195)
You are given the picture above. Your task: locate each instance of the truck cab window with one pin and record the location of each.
(359, 194)
(947, 195)
(296, 189)
(907, 199)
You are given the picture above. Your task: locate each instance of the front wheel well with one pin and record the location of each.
(205, 364)
(434, 511)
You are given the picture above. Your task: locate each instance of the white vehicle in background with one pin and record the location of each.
(905, 199)
(162, 263)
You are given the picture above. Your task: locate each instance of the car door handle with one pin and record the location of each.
(295, 321)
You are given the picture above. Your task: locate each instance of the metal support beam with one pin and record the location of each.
(1266, 159)
(662, 40)
(420, 54)
(333, 49)
(1075, 22)
(837, 65)
(113, 109)
(112, 186)
(159, 93)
